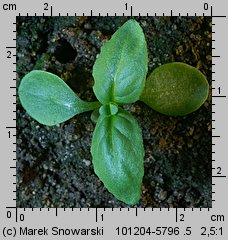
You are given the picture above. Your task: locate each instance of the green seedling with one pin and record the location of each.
(120, 78)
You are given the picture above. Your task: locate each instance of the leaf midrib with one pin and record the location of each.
(113, 87)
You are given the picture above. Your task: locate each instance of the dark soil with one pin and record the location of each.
(54, 164)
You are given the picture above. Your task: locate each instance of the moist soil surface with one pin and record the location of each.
(54, 164)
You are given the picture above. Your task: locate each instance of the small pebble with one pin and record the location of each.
(87, 162)
(162, 195)
(87, 26)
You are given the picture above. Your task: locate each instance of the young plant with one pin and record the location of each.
(119, 73)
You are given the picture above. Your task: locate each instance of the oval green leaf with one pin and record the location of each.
(120, 70)
(49, 100)
(117, 150)
(175, 89)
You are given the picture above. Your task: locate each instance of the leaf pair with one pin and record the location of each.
(117, 145)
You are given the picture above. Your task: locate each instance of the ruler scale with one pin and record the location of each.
(114, 223)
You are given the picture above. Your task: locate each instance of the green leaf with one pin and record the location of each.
(117, 150)
(175, 89)
(109, 109)
(49, 100)
(121, 67)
